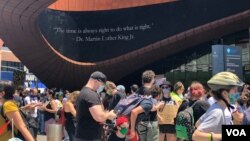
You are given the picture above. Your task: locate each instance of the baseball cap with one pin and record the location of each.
(99, 76)
(120, 120)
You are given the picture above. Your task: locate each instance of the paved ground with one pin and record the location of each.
(41, 138)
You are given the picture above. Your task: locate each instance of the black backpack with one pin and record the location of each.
(29, 121)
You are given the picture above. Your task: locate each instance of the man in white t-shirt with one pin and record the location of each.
(31, 101)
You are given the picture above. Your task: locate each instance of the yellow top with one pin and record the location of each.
(174, 96)
(8, 106)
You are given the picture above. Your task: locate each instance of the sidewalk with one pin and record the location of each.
(41, 138)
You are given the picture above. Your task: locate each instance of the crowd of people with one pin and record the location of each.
(91, 113)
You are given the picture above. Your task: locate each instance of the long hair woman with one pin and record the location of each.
(70, 114)
(10, 112)
(49, 109)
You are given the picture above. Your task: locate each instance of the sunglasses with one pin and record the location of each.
(165, 87)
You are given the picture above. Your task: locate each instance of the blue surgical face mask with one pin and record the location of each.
(100, 89)
(233, 97)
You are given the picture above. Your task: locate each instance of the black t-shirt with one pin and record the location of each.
(146, 105)
(106, 100)
(116, 98)
(113, 137)
(87, 128)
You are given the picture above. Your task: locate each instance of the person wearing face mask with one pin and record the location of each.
(121, 131)
(236, 110)
(209, 126)
(167, 130)
(90, 114)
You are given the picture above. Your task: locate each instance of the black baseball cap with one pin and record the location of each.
(99, 76)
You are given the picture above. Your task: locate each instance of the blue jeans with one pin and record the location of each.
(41, 122)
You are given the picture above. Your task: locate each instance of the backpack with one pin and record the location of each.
(126, 105)
(29, 121)
(184, 124)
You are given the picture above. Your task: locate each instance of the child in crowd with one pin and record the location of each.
(121, 131)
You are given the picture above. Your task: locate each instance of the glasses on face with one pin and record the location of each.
(164, 87)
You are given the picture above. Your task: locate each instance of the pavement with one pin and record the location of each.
(44, 138)
(41, 138)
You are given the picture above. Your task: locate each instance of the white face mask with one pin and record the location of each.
(100, 89)
(166, 92)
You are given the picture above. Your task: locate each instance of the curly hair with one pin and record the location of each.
(147, 76)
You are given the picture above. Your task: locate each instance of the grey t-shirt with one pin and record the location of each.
(212, 120)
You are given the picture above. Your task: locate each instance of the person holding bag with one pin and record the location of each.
(49, 110)
(10, 111)
(167, 114)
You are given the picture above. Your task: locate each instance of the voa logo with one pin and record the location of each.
(236, 132)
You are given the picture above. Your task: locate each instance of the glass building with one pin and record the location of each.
(196, 63)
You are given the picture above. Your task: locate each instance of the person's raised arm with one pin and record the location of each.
(100, 115)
